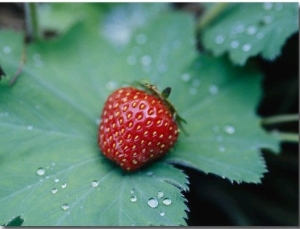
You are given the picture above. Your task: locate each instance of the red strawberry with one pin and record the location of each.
(137, 126)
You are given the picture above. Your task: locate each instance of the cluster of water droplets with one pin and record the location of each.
(219, 133)
(235, 38)
(153, 202)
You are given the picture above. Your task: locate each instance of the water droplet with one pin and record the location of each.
(95, 183)
(152, 202)
(251, 30)
(54, 190)
(133, 198)
(56, 180)
(260, 35)
(141, 39)
(267, 5)
(132, 191)
(278, 6)
(167, 201)
(6, 49)
(111, 85)
(98, 120)
(40, 171)
(146, 60)
(219, 39)
(131, 60)
(150, 174)
(213, 89)
(246, 47)
(29, 127)
(64, 185)
(196, 83)
(160, 194)
(185, 77)
(267, 19)
(162, 68)
(238, 29)
(4, 114)
(234, 44)
(162, 213)
(219, 138)
(65, 207)
(229, 129)
(221, 148)
(193, 91)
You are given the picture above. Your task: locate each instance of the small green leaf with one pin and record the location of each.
(249, 29)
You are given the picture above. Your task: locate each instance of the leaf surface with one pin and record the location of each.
(249, 29)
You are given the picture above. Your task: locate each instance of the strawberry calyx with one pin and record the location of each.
(163, 96)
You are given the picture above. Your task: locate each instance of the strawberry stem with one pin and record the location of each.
(152, 89)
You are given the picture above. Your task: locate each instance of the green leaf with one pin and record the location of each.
(52, 172)
(249, 29)
(224, 131)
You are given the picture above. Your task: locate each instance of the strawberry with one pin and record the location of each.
(137, 126)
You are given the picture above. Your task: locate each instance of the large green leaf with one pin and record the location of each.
(248, 29)
(52, 172)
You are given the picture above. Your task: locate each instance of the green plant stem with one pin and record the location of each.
(288, 137)
(280, 119)
(210, 15)
(21, 64)
(31, 20)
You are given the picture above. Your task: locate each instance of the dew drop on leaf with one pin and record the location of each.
(141, 39)
(219, 39)
(185, 77)
(167, 201)
(56, 180)
(6, 49)
(64, 185)
(146, 60)
(29, 127)
(160, 194)
(246, 47)
(40, 171)
(229, 129)
(162, 213)
(193, 91)
(267, 19)
(133, 198)
(234, 44)
(65, 207)
(213, 89)
(196, 83)
(131, 60)
(152, 202)
(278, 6)
(267, 5)
(132, 191)
(111, 85)
(54, 190)
(95, 183)
(221, 148)
(251, 30)
(260, 35)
